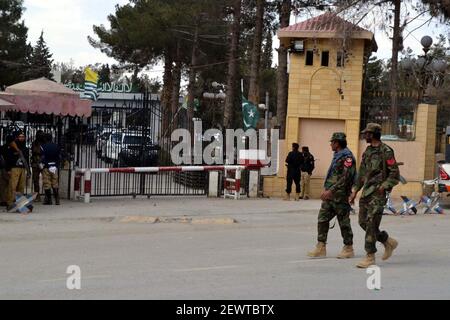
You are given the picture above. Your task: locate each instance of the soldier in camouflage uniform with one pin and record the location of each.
(378, 174)
(338, 187)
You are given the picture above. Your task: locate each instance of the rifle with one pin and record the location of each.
(22, 157)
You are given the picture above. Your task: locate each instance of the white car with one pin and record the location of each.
(102, 138)
(111, 148)
(444, 178)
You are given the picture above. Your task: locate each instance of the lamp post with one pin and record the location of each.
(217, 95)
(265, 108)
(426, 69)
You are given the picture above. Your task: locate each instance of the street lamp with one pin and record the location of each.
(427, 70)
(216, 96)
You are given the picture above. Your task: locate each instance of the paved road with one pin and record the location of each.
(260, 257)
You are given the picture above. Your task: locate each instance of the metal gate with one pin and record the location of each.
(131, 135)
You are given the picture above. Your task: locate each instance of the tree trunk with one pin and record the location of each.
(166, 93)
(253, 94)
(232, 67)
(175, 99)
(282, 74)
(394, 66)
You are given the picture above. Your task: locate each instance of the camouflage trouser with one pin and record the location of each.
(49, 180)
(17, 184)
(370, 215)
(329, 210)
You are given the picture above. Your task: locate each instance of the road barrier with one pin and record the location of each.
(236, 181)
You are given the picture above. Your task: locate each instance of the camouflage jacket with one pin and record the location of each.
(378, 169)
(341, 177)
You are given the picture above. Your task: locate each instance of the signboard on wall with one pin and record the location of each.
(104, 87)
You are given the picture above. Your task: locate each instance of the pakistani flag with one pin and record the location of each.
(196, 104)
(90, 84)
(250, 114)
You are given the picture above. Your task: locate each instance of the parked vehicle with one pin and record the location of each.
(19, 124)
(112, 146)
(90, 135)
(104, 134)
(443, 181)
(101, 141)
(138, 156)
(129, 149)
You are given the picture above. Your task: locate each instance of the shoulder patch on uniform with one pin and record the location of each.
(348, 162)
(391, 161)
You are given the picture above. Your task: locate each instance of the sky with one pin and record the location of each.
(67, 24)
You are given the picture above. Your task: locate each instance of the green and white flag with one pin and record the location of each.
(250, 114)
(90, 84)
(196, 104)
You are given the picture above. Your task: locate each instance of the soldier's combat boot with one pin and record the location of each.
(368, 261)
(346, 253)
(287, 197)
(319, 252)
(389, 246)
(297, 197)
(56, 195)
(48, 197)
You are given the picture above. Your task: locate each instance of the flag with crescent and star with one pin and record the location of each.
(250, 114)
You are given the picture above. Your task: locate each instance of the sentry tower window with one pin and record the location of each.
(309, 58)
(325, 58)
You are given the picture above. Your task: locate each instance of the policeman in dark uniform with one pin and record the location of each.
(294, 161)
(51, 159)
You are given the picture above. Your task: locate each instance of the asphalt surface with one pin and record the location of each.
(198, 248)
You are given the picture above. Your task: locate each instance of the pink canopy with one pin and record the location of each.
(43, 96)
(5, 104)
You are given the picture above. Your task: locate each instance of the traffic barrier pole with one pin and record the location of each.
(87, 186)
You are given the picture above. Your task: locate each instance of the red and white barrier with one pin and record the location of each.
(87, 173)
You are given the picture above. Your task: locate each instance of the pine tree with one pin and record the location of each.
(41, 60)
(13, 43)
(104, 74)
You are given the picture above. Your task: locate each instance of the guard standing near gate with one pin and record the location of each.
(307, 169)
(294, 162)
(51, 158)
(36, 155)
(17, 166)
(4, 176)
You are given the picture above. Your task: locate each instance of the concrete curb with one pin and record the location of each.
(182, 220)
